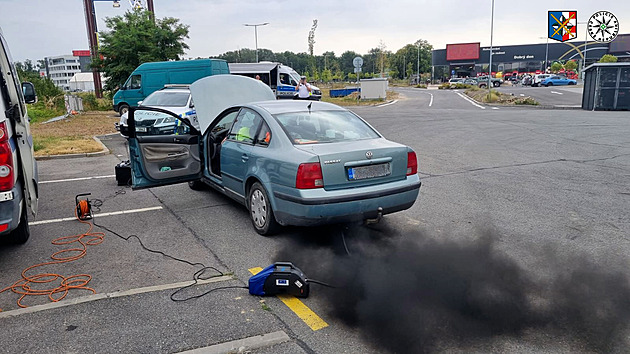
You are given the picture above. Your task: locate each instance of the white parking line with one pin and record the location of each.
(387, 104)
(50, 221)
(470, 100)
(244, 345)
(431, 101)
(95, 297)
(76, 179)
(557, 93)
(522, 95)
(495, 107)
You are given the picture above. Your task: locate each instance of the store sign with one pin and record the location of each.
(521, 57)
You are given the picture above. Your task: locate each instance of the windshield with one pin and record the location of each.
(166, 99)
(295, 76)
(324, 127)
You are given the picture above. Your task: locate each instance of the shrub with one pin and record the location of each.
(421, 86)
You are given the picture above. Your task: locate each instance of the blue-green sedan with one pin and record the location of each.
(295, 162)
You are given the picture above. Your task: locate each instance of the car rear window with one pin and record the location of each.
(167, 99)
(324, 127)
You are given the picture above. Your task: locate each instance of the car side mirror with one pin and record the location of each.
(192, 105)
(139, 103)
(28, 91)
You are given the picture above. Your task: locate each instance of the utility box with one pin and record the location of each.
(606, 87)
(373, 88)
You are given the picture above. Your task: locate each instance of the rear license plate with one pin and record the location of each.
(141, 129)
(363, 172)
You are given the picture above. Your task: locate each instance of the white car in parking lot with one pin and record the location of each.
(538, 79)
(174, 98)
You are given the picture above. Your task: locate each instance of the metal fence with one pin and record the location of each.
(73, 103)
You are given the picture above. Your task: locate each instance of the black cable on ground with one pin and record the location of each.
(196, 277)
(320, 283)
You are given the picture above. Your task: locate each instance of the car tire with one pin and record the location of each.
(571, 83)
(549, 84)
(122, 109)
(197, 185)
(496, 84)
(21, 233)
(260, 211)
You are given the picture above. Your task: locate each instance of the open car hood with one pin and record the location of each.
(214, 94)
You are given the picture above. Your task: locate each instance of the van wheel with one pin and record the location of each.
(197, 185)
(21, 234)
(122, 109)
(260, 211)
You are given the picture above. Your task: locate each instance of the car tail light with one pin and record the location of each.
(309, 175)
(4, 227)
(6, 160)
(412, 163)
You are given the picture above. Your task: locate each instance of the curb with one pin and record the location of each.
(103, 152)
(524, 105)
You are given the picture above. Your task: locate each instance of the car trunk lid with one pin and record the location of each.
(359, 163)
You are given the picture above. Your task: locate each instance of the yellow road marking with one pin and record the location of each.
(302, 311)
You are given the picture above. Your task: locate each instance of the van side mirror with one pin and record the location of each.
(139, 103)
(192, 105)
(28, 91)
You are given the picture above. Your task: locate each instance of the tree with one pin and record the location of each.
(134, 39)
(311, 37)
(556, 66)
(608, 58)
(44, 86)
(571, 65)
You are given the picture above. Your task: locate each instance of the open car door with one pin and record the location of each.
(159, 156)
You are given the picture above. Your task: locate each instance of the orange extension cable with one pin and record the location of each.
(65, 284)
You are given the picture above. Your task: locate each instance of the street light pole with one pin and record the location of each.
(546, 53)
(490, 66)
(256, 34)
(418, 79)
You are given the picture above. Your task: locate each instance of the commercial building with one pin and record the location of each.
(470, 59)
(60, 69)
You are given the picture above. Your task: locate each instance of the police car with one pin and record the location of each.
(174, 98)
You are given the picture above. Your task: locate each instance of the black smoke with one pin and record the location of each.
(412, 294)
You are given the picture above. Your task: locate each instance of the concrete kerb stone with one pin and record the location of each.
(523, 105)
(103, 152)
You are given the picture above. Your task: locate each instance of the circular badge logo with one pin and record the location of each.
(603, 26)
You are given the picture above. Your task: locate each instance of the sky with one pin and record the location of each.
(39, 28)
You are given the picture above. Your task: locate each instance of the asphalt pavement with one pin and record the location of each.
(552, 96)
(546, 189)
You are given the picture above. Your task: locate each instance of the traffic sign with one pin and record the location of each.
(357, 62)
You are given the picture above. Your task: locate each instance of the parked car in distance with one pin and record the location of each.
(538, 78)
(471, 81)
(483, 81)
(290, 162)
(456, 80)
(556, 80)
(18, 168)
(173, 98)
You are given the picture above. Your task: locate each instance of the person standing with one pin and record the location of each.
(303, 88)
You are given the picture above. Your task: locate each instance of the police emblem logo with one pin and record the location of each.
(562, 25)
(603, 26)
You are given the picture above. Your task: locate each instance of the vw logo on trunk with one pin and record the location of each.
(368, 154)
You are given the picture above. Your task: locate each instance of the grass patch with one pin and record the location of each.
(351, 100)
(43, 111)
(482, 95)
(72, 135)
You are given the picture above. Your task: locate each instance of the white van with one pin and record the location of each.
(280, 78)
(18, 169)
